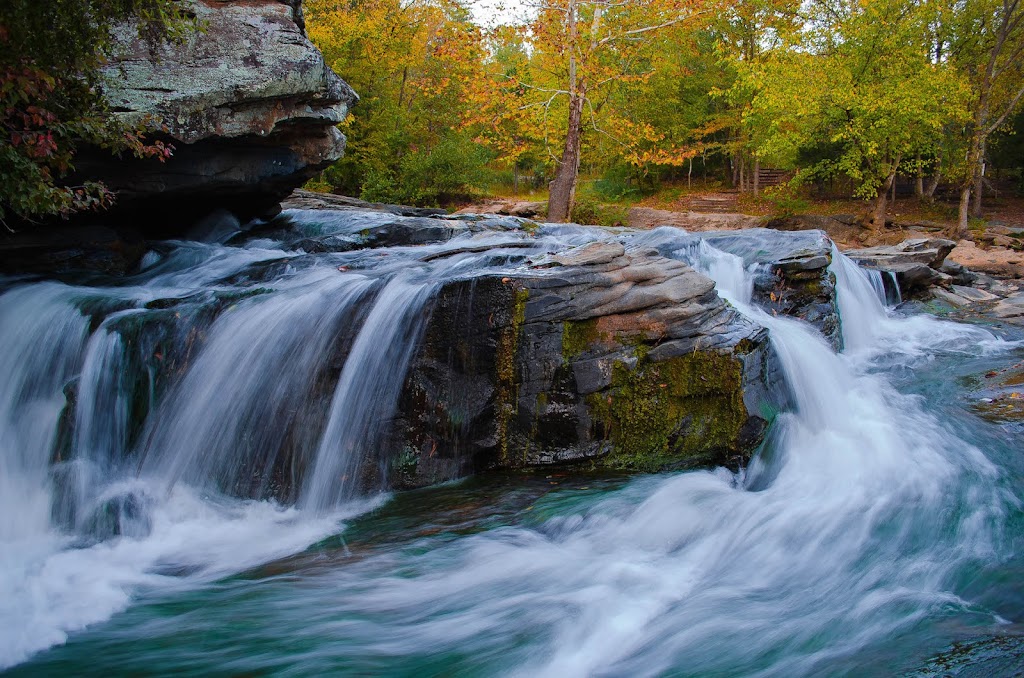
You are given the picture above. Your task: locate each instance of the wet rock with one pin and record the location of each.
(929, 251)
(916, 263)
(1000, 396)
(347, 229)
(610, 358)
(1010, 309)
(793, 277)
(308, 200)
(218, 226)
(958, 273)
(952, 297)
(973, 294)
(93, 249)
(124, 514)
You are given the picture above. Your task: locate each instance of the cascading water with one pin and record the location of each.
(856, 525)
(369, 385)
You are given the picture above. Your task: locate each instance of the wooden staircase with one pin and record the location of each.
(722, 202)
(772, 177)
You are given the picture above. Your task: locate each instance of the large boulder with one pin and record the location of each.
(247, 102)
(599, 356)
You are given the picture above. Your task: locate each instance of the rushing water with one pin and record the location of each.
(879, 523)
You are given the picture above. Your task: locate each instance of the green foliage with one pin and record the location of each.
(51, 102)
(830, 89)
(854, 96)
(587, 210)
(786, 201)
(447, 172)
(413, 65)
(622, 181)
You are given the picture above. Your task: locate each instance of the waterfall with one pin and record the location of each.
(43, 336)
(216, 410)
(847, 530)
(369, 386)
(223, 424)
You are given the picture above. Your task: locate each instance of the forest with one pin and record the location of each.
(612, 100)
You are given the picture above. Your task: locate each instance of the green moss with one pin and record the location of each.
(507, 385)
(578, 336)
(682, 411)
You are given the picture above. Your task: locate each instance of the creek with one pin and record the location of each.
(877, 531)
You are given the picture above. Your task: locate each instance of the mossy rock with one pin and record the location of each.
(684, 411)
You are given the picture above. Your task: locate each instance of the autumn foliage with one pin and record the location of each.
(836, 93)
(51, 101)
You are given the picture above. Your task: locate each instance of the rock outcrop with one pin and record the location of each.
(916, 263)
(791, 269)
(793, 277)
(247, 102)
(599, 356)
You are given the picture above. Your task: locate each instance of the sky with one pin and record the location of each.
(493, 12)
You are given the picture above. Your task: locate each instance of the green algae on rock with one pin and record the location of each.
(607, 360)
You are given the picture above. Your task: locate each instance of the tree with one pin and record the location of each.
(989, 50)
(414, 65)
(51, 99)
(857, 96)
(585, 48)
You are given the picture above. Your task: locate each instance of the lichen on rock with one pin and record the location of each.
(247, 102)
(684, 411)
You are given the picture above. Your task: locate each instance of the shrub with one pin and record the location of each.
(51, 102)
(587, 210)
(450, 171)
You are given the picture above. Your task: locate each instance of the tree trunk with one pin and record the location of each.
(757, 176)
(919, 182)
(979, 181)
(965, 200)
(878, 214)
(974, 166)
(563, 187)
(933, 183)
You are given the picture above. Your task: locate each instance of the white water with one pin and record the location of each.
(847, 532)
(226, 419)
(847, 528)
(369, 385)
(112, 519)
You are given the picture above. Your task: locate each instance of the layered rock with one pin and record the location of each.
(247, 102)
(793, 277)
(915, 263)
(791, 274)
(600, 356)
